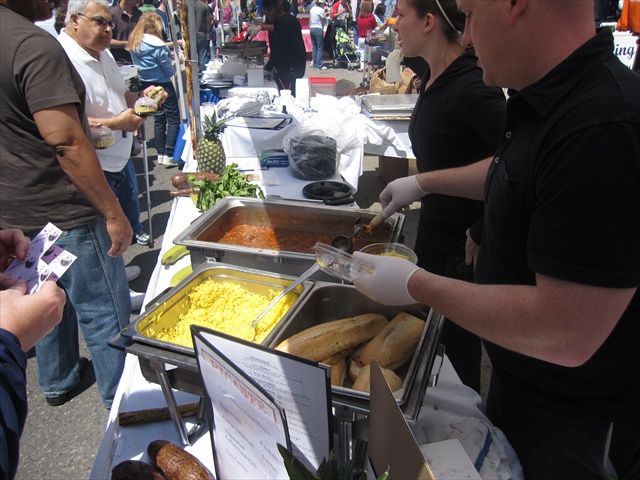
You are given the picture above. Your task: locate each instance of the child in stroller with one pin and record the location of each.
(345, 54)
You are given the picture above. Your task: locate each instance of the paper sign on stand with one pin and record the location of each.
(260, 397)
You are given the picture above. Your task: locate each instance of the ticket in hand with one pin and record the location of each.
(43, 261)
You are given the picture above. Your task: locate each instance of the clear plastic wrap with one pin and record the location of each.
(314, 147)
(312, 156)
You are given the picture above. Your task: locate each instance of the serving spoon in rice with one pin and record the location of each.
(302, 278)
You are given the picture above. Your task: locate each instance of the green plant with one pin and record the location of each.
(328, 469)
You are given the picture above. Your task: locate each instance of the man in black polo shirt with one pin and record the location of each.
(125, 15)
(558, 268)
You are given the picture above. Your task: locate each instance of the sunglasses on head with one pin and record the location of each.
(100, 22)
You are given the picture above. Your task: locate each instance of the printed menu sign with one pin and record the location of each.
(259, 398)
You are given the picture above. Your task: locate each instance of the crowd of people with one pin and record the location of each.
(526, 134)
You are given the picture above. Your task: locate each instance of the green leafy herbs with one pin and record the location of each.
(328, 469)
(231, 183)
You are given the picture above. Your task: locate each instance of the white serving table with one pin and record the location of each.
(450, 410)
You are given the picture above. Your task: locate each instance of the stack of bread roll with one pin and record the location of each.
(349, 345)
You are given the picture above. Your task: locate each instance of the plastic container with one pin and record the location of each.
(144, 105)
(322, 85)
(103, 137)
(337, 262)
(391, 249)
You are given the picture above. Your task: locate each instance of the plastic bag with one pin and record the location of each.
(393, 66)
(312, 156)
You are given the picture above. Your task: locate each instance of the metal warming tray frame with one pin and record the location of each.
(174, 368)
(326, 221)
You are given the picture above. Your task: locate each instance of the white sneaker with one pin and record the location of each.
(324, 68)
(133, 272)
(136, 299)
(168, 161)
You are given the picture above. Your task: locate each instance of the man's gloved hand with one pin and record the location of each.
(400, 192)
(388, 283)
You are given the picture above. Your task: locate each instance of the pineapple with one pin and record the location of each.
(209, 151)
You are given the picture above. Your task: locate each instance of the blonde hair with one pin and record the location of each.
(149, 22)
(366, 8)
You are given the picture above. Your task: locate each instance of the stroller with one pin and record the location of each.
(345, 54)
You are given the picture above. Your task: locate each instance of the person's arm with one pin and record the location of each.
(334, 9)
(127, 121)
(165, 62)
(556, 321)
(31, 316)
(467, 182)
(118, 43)
(60, 128)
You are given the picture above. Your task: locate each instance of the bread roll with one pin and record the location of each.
(363, 382)
(322, 341)
(395, 344)
(338, 368)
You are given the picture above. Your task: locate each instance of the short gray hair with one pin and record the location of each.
(79, 6)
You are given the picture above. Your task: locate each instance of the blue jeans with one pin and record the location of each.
(204, 51)
(167, 125)
(98, 299)
(125, 185)
(317, 42)
(286, 78)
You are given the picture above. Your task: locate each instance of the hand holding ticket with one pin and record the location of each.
(43, 260)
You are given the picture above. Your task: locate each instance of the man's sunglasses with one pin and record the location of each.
(100, 22)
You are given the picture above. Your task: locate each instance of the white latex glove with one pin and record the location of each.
(402, 191)
(388, 283)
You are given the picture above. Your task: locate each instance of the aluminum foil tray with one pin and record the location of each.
(166, 310)
(319, 223)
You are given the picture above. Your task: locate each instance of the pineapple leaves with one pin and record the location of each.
(230, 183)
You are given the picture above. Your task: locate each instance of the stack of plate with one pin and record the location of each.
(389, 107)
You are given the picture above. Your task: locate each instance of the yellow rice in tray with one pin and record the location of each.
(226, 307)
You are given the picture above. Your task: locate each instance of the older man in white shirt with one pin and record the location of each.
(86, 40)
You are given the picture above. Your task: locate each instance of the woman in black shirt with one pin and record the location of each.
(457, 121)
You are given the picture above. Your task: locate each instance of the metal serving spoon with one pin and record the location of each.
(344, 243)
(305, 276)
